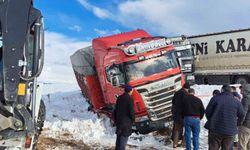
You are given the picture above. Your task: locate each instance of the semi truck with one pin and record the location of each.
(147, 63)
(185, 56)
(222, 58)
(22, 112)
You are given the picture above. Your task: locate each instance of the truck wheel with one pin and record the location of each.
(40, 123)
(241, 80)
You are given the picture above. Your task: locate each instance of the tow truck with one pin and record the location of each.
(22, 112)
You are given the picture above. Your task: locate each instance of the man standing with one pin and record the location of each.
(193, 112)
(244, 130)
(177, 114)
(124, 116)
(223, 112)
(215, 93)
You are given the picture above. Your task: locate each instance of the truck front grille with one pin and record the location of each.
(159, 102)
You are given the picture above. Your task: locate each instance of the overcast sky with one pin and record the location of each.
(72, 24)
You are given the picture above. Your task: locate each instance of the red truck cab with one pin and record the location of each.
(147, 63)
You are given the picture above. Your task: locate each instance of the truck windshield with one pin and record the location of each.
(185, 53)
(151, 66)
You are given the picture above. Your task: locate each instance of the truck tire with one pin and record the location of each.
(40, 123)
(241, 80)
(41, 117)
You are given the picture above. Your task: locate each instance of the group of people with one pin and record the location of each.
(228, 117)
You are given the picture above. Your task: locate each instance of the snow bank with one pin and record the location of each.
(67, 112)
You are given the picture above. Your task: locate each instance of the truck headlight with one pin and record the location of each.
(152, 114)
(140, 119)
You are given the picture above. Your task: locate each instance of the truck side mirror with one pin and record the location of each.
(196, 57)
(115, 81)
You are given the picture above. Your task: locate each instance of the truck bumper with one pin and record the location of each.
(147, 126)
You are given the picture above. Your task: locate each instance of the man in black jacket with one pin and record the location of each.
(177, 103)
(124, 116)
(193, 112)
(223, 112)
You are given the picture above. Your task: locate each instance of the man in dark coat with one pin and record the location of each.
(124, 116)
(193, 112)
(244, 129)
(215, 93)
(223, 112)
(177, 103)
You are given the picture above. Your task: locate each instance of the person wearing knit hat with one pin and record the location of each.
(124, 117)
(128, 88)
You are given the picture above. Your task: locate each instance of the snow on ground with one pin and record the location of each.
(54, 87)
(67, 114)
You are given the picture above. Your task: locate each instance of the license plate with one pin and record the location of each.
(167, 124)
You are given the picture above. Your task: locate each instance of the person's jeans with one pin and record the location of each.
(192, 124)
(121, 142)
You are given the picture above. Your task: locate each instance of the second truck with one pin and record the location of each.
(147, 63)
(185, 56)
(222, 58)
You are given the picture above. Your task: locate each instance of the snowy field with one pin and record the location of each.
(69, 125)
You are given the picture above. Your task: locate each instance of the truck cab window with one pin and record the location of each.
(185, 53)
